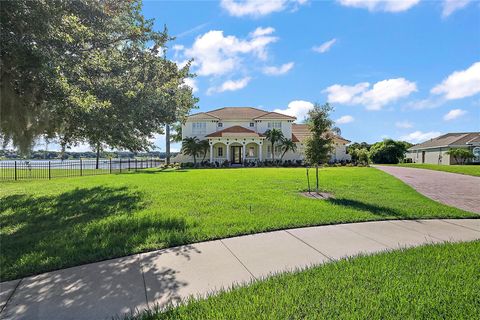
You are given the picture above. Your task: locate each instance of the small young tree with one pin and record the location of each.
(191, 147)
(320, 144)
(287, 145)
(274, 136)
(460, 155)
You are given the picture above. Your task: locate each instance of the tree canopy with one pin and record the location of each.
(86, 71)
(389, 151)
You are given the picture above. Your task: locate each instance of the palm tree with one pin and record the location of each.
(191, 147)
(287, 145)
(204, 146)
(274, 136)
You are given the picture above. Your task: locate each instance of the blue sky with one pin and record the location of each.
(401, 69)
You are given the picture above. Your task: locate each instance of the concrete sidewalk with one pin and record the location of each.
(101, 290)
(453, 189)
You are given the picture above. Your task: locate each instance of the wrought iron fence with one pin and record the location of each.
(49, 169)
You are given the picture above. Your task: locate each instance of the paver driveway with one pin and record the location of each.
(457, 190)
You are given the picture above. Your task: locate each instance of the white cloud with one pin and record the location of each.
(460, 84)
(450, 6)
(192, 83)
(380, 5)
(262, 31)
(372, 97)
(419, 136)
(454, 114)
(428, 103)
(230, 85)
(217, 54)
(404, 124)
(345, 119)
(297, 108)
(275, 71)
(256, 8)
(324, 47)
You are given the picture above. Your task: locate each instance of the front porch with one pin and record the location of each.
(237, 151)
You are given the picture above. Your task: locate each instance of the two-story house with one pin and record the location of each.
(237, 134)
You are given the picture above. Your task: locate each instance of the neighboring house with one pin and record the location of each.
(236, 134)
(435, 150)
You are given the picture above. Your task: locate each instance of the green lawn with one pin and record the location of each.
(46, 225)
(472, 170)
(431, 282)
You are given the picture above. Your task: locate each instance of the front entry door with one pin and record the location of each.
(236, 155)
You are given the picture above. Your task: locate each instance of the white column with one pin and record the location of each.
(260, 146)
(211, 152)
(243, 153)
(228, 152)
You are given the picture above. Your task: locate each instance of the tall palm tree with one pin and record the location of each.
(204, 146)
(287, 145)
(274, 136)
(191, 147)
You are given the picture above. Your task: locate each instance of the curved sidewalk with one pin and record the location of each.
(103, 289)
(453, 189)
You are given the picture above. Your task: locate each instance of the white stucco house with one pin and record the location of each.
(236, 134)
(434, 151)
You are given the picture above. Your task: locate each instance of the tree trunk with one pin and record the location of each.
(167, 143)
(98, 156)
(316, 176)
(194, 160)
(273, 152)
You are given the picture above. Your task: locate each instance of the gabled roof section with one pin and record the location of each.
(234, 113)
(202, 116)
(450, 140)
(275, 116)
(302, 132)
(234, 131)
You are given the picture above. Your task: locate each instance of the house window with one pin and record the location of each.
(251, 151)
(275, 125)
(199, 127)
(220, 151)
(252, 124)
(220, 124)
(278, 149)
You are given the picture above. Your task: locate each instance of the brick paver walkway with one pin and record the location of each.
(456, 190)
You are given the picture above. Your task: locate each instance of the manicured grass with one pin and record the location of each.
(472, 170)
(431, 282)
(47, 225)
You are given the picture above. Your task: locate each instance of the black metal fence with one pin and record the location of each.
(49, 169)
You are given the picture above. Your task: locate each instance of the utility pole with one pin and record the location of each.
(167, 143)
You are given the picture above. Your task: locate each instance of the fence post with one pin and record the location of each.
(15, 169)
(110, 165)
(135, 165)
(81, 167)
(49, 170)
(120, 165)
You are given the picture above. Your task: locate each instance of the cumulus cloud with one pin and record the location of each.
(450, 6)
(380, 5)
(257, 8)
(372, 97)
(324, 47)
(454, 114)
(420, 136)
(230, 85)
(192, 83)
(276, 71)
(216, 54)
(297, 108)
(460, 84)
(404, 124)
(345, 119)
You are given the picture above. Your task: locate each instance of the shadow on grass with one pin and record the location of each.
(371, 208)
(161, 171)
(79, 226)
